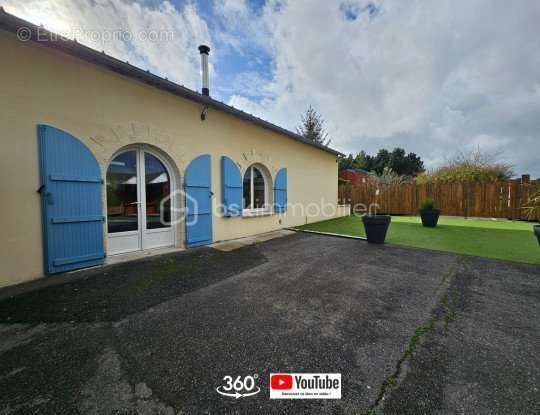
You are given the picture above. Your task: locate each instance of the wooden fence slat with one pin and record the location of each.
(493, 200)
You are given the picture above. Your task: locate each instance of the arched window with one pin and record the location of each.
(255, 186)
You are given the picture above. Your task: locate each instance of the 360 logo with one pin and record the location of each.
(239, 387)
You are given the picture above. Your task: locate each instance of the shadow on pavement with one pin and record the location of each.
(113, 292)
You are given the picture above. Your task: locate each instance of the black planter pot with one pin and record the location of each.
(430, 217)
(376, 227)
(537, 232)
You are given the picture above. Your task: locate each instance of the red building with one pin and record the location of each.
(354, 176)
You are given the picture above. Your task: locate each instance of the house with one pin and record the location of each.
(100, 158)
(355, 176)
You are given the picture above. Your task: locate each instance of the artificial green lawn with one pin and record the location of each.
(509, 240)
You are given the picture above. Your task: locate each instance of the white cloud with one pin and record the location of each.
(433, 77)
(161, 38)
(240, 27)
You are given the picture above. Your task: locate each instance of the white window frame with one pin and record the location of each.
(266, 209)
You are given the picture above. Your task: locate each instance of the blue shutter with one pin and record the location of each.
(71, 202)
(280, 191)
(231, 187)
(198, 198)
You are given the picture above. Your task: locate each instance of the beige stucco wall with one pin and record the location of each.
(107, 112)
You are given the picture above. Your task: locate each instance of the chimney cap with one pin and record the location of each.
(204, 49)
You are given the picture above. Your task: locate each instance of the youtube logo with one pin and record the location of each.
(281, 381)
(305, 386)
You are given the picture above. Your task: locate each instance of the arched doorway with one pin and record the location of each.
(139, 202)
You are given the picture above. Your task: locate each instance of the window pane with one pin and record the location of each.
(247, 189)
(158, 215)
(122, 208)
(258, 189)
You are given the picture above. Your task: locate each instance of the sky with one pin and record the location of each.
(435, 77)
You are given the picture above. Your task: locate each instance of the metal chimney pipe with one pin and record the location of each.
(204, 50)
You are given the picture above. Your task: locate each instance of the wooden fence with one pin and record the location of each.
(488, 200)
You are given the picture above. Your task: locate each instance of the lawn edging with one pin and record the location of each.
(338, 235)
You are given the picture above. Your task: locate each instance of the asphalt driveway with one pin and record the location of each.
(411, 331)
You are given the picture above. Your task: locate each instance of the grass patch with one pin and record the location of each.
(507, 240)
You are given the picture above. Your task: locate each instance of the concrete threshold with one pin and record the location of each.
(232, 244)
(131, 256)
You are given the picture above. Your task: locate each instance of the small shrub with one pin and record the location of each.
(533, 207)
(388, 177)
(427, 204)
(474, 167)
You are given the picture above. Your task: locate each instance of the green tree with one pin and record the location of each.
(346, 162)
(398, 161)
(363, 161)
(405, 164)
(312, 127)
(382, 160)
(415, 165)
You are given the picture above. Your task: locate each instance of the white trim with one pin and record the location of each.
(250, 213)
(158, 230)
(119, 234)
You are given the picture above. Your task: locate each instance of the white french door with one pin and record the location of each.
(138, 202)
